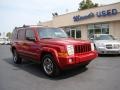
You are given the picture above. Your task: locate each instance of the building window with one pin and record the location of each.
(105, 28)
(78, 34)
(75, 33)
(98, 29)
(68, 32)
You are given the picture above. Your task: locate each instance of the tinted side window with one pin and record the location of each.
(21, 34)
(30, 33)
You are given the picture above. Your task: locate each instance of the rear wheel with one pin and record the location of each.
(49, 66)
(16, 58)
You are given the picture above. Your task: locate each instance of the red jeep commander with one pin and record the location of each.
(50, 47)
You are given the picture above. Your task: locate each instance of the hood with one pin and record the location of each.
(107, 41)
(64, 41)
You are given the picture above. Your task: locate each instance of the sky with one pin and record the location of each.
(18, 12)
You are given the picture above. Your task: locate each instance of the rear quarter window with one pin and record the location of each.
(21, 34)
(14, 34)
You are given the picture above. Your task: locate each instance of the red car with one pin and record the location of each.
(50, 47)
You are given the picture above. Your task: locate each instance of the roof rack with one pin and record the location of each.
(37, 26)
(24, 26)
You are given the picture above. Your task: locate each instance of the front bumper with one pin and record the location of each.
(102, 50)
(77, 59)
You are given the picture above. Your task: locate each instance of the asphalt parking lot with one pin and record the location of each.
(101, 74)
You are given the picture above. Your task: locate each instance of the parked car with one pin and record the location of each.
(50, 47)
(1, 41)
(106, 44)
(4, 41)
(7, 42)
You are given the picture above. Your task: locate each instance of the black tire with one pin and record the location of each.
(16, 58)
(49, 66)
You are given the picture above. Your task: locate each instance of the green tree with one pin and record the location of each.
(85, 4)
(9, 34)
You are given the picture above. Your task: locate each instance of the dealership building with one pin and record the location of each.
(84, 23)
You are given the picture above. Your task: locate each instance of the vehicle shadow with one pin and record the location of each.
(109, 55)
(36, 70)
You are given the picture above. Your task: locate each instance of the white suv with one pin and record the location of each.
(1, 41)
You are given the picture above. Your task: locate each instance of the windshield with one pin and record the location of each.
(52, 33)
(104, 37)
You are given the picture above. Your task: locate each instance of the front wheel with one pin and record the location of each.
(49, 66)
(16, 58)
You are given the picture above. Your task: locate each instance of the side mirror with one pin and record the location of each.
(30, 38)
